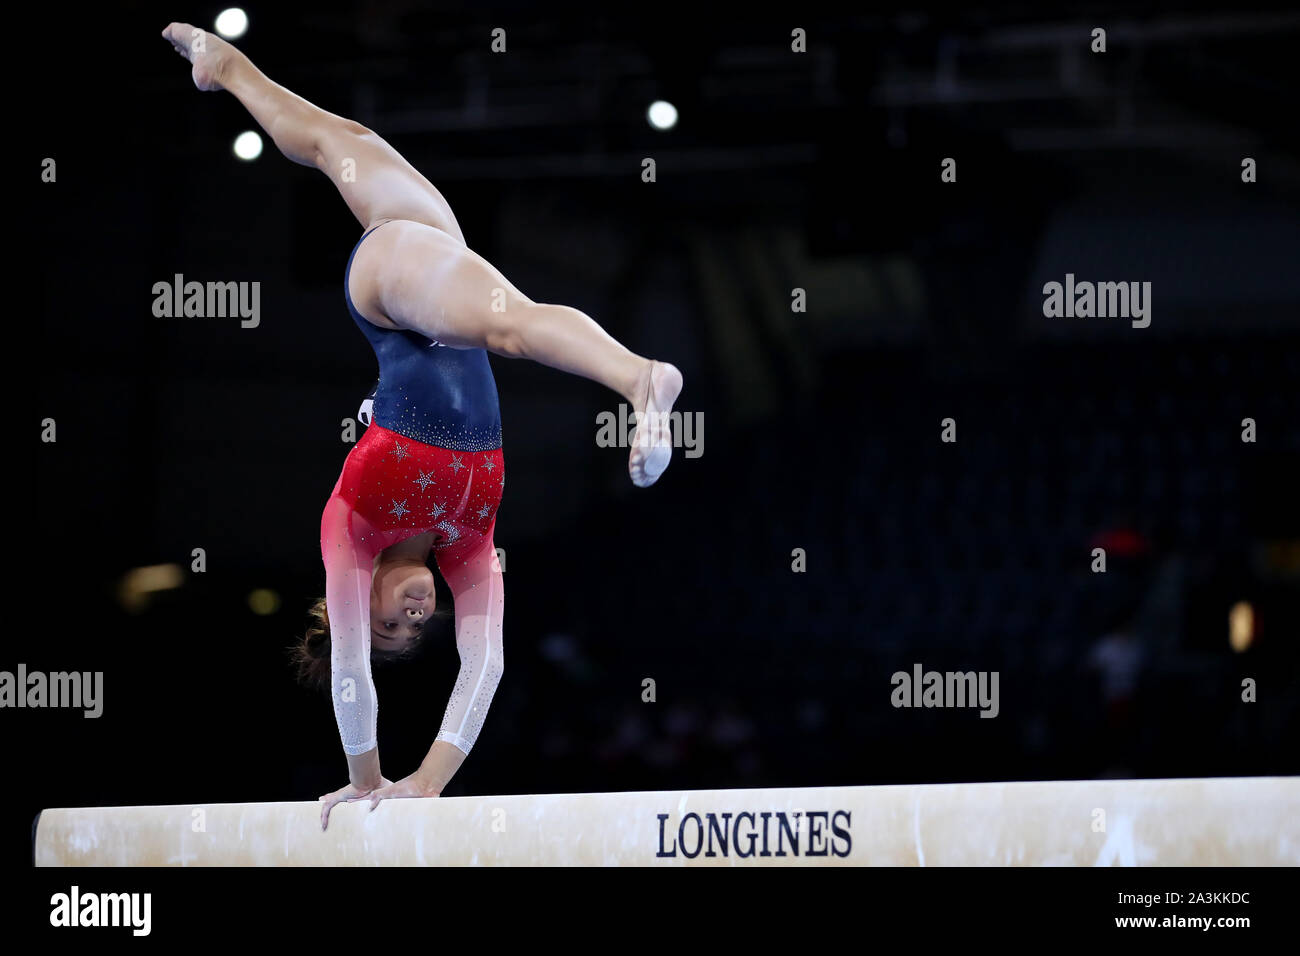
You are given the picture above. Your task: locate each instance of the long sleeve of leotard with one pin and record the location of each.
(349, 566)
(479, 593)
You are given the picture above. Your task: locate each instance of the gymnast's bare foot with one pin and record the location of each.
(652, 445)
(208, 52)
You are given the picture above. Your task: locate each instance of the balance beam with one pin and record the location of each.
(1243, 821)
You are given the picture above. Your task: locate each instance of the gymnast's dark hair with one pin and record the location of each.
(311, 655)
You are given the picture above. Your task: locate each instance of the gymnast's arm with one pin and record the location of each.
(479, 595)
(349, 566)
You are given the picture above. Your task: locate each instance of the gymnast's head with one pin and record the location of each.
(402, 602)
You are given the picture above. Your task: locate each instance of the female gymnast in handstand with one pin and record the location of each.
(428, 474)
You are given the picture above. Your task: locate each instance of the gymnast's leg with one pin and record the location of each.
(421, 279)
(373, 178)
(418, 272)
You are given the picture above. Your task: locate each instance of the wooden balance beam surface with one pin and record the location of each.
(1242, 821)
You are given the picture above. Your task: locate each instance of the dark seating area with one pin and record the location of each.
(974, 555)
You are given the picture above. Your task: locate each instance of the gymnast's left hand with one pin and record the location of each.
(412, 786)
(347, 794)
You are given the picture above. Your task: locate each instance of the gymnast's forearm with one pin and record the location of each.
(356, 705)
(349, 566)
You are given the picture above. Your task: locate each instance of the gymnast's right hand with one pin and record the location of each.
(346, 794)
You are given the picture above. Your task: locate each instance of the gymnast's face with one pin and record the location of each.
(401, 600)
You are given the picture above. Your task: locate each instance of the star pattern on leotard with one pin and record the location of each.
(437, 511)
(400, 450)
(484, 511)
(424, 481)
(456, 464)
(448, 529)
(399, 509)
(488, 465)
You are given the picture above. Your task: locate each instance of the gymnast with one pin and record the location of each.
(428, 474)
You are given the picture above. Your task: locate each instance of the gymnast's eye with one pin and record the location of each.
(390, 624)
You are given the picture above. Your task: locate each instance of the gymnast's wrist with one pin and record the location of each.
(429, 782)
(363, 771)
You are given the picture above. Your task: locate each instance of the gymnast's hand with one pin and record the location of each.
(348, 794)
(413, 786)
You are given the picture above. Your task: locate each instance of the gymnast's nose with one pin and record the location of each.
(415, 613)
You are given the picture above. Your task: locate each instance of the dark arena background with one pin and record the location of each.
(906, 458)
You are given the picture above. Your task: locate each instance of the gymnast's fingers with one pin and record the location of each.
(328, 802)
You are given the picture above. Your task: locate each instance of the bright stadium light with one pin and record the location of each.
(662, 114)
(232, 22)
(248, 145)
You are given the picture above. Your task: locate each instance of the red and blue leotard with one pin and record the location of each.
(430, 461)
